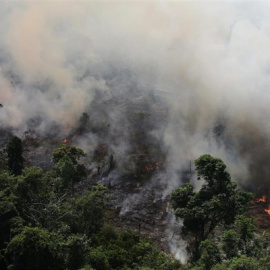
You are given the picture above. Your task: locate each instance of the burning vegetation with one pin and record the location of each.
(143, 209)
(183, 82)
(262, 199)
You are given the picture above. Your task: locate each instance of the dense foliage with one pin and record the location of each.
(218, 232)
(14, 153)
(44, 224)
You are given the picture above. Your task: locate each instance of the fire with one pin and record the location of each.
(71, 139)
(267, 210)
(262, 199)
(150, 167)
(153, 166)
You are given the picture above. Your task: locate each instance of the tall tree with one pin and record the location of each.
(66, 160)
(217, 202)
(14, 154)
(90, 209)
(34, 248)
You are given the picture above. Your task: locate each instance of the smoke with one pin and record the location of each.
(176, 244)
(189, 76)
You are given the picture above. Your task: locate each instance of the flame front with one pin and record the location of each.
(267, 210)
(262, 199)
(153, 166)
(71, 139)
(149, 167)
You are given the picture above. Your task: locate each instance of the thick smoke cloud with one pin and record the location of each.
(209, 60)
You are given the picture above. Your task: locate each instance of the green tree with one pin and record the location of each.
(70, 151)
(77, 247)
(67, 166)
(230, 244)
(217, 202)
(245, 228)
(34, 248)
(210, 254)
(127, 250)
(98, 260)
(8, 211)
(264, 263)
(242, 239)
(14, 154)
(3, 161)
(244, 263)
(222, 266)
(89, 210)
(36, 200)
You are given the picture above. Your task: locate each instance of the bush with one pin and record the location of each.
(98, 260)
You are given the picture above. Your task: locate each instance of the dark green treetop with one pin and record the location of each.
(217, 202)
(67, 166)
(14, 154)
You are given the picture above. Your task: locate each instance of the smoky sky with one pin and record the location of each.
(209, 60)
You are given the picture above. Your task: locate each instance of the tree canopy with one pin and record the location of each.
(45, 226)
(14, 153)
(67, 167)
(218, 202)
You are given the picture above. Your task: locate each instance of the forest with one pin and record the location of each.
(47, 224)
(134, 135)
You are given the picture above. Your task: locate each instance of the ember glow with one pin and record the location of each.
(150, 167)
(262, 199)
(267, 210)
(153, 166)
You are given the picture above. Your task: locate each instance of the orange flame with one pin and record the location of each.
(153, 166)
(149, 167)
(267, 210)
(70, 140)
(262, 199)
